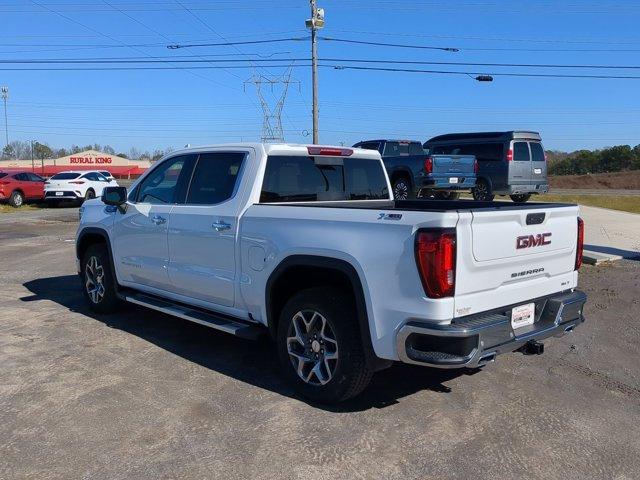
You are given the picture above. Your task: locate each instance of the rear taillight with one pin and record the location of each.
(580, 246)
(77, 182)
(428, 165)
(436, 260)
(509, 155)
(475, 166)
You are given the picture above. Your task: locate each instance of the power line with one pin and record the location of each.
(198, 59)
(397, 45)
(516, 74)
(247, 42)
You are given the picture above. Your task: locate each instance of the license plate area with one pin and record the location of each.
(523, 315)
(453, 179)
(59, 194)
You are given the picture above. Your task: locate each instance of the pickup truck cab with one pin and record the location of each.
(306, 244)
(415, 173)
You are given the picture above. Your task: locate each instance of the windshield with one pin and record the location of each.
(65, 176)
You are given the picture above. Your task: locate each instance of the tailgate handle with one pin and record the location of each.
(535, 218)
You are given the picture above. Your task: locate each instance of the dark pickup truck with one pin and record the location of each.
(413, 173)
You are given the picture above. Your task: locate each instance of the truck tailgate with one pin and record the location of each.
(450, 164)
(514, 255)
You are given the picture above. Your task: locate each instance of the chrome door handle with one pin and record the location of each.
(158, 220)
(220, 225)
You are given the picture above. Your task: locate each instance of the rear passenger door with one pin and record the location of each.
(203, 229)
(538, 163)
(520, 167)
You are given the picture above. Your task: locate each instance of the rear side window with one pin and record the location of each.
(415, 148)
(394, 149)
(214, 178)
(369, 145)
(65, 176)
(2, 174)
(521, 152)
(299, 179)
(537, 152)
(161, 185)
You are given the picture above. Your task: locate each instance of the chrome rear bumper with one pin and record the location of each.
(477, 339)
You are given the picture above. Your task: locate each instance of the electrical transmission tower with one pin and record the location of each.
(272, 120)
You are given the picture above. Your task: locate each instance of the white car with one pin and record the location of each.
(307, 244)
(71, 185)
(106, 174)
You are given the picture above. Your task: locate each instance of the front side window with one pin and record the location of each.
(91, 176)
(34, 178)
(161, 185)
(300, 179)
(214, 178)
(521, 152)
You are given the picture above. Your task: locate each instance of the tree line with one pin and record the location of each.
(20, 150)
(581, 162)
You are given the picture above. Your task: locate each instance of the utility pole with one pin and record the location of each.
(314, 23)
(4, 93)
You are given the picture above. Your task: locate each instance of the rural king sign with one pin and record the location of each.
(87, 160)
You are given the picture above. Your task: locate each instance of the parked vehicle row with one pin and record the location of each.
(414, 174)
(307, 244)
(486, 164)
(18, 187)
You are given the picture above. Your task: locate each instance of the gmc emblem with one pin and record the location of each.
(528, 241)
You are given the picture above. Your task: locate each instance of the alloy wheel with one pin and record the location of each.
(312, 347)
(401, 190)
(94, 279)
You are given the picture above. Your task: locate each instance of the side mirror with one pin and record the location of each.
(115, 196)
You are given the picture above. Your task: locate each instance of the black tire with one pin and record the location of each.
(16, 200)
(402, 189)
(482, 191)
(89, 194)
(345, 376)
(521, 198)
(96, 271)
(448, 195)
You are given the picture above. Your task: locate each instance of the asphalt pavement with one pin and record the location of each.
(140, 395)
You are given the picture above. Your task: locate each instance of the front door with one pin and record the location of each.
(141, 252)
(202, 231)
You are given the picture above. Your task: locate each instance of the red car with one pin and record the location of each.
(16, 187)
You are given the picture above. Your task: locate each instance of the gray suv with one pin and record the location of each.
(509, 163)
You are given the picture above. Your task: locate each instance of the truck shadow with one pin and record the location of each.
(253, 362)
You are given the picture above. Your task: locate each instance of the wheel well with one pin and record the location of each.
(301, 272)
(401, 174)
(88, 239)
(301, 277)
(18, 190)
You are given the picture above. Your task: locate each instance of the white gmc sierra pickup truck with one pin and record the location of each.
(306, 243)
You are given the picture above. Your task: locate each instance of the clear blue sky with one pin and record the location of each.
(159, 108)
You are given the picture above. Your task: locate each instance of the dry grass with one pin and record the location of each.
(627, 203)
(4, 208)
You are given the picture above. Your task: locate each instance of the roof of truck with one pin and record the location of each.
(275, 149)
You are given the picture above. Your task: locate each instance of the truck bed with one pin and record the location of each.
(426, 205)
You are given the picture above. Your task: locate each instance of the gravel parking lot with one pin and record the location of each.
(143, 395)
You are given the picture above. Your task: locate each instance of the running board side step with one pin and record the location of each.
(219, 322)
